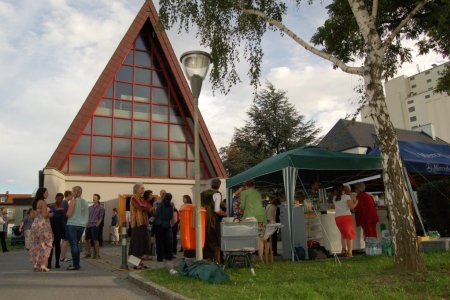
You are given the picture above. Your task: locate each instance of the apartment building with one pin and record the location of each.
(412, 103)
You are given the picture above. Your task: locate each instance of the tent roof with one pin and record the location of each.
(423, 158)
(323, 165)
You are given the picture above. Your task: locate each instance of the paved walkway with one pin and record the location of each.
(97, 279)
(112, 260)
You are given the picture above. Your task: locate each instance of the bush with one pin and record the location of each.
(434, 206)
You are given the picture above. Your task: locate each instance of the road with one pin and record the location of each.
(19, 281)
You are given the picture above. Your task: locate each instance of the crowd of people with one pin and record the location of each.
(247, 203)
(49, 230)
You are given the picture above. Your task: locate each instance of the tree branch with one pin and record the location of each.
(283, 28)
(374, 10)
(399, 27)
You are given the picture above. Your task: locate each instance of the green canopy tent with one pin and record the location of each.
(302, 166)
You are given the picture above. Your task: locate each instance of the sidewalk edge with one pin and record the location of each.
(154, 288)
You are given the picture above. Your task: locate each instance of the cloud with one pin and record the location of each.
(52, 52)
(318, 92)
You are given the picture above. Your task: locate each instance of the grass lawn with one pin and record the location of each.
(362, 277)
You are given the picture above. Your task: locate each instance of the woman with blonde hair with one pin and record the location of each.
(139, 208)
(77, 218)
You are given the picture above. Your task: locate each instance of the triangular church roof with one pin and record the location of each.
(147, 13)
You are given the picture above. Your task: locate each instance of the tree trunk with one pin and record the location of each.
(407, 254)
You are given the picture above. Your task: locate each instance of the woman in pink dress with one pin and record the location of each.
(41, 232)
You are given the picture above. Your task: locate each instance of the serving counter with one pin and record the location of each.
(321, 226)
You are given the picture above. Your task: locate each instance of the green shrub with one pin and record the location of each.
(434, 206)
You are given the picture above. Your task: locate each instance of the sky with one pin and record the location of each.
(53, 51)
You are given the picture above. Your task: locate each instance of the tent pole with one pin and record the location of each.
(229, 201)
(290, 180)
(414, 198)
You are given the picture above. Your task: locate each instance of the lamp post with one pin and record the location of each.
(195, 66)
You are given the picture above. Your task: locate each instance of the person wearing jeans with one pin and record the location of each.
(77, 214)
(74, 234)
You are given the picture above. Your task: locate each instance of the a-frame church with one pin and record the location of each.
(136, 125)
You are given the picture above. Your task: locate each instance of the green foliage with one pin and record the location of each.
(443, 85)
(362, 277)
(341, 36)
(434, 206)
(224, 29)
(273, 126)
(232, 34)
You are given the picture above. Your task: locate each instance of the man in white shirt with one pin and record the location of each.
(211, 200)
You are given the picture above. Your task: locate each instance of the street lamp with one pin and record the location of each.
(195, 66)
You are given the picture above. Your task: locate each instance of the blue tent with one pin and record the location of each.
(430, 159)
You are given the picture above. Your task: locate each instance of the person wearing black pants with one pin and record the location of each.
(3, 229)
(58, 228)
(175, 227)
(163, 231)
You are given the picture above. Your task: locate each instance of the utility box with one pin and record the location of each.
(442, 244)
(239, 236)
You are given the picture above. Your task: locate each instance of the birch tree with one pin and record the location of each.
(367, 31)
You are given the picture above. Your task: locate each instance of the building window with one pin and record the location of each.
(410, 101)
(411, 109)
(84, 145)
(412, 78)
(101, 165)
(413, 86)
(427, 96)
(138, 128)
(79, 164)
(427, 72)
(428, 80)
(413, 119)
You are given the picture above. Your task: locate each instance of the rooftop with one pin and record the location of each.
(348, 134)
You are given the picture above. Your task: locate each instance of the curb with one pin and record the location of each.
(154, 288)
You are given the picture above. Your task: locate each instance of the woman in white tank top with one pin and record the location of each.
(343, 203)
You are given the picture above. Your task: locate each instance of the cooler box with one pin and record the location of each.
(187, 226)
(239, 236)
